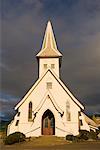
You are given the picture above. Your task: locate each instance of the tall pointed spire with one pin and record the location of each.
(49, 40)
(49, 47)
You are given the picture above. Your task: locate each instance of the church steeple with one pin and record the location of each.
(49, 40)
(49, 56)
(49, 46)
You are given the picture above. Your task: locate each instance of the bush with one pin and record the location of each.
(72, 138)
(83, 134)
(14, 138)
(69, 137)
(93, 135)
(75, 139)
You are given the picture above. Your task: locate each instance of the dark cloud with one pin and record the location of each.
(77, 28)
(7, 103)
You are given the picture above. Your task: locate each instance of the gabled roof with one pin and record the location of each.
(90, 121)
(59, 81)
(49, 47)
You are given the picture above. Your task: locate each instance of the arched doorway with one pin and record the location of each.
(48, 123)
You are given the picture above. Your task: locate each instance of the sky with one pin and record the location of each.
(76, 25)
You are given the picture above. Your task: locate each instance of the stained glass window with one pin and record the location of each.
(52, 122)
(46, 123)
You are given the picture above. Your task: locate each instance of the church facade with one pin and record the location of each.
(49, 108)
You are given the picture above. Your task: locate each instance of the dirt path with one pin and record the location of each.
(52, 144)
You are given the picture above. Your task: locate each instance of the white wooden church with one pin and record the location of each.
(49, 108)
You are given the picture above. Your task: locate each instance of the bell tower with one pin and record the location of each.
(49, 56)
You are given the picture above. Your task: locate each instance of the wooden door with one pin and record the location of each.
(48, 123)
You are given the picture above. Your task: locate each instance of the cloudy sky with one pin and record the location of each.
(76, 24)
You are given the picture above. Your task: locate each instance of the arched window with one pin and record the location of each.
(67, 105)
(30, 111)
(68, 114)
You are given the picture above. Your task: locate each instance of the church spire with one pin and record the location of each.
(49, 40)
(49, 47)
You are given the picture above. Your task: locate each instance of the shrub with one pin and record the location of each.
(69, 137)
(72, 138)
(83, 134)
(93, 135)
(75, 139)
(14, 138)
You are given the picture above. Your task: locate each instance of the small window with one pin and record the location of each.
(45, 66)
(68, 116)
(49, 85)
(81, 123)
(52, 66)
(67, 105)
(18, 114)
(17, 122)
